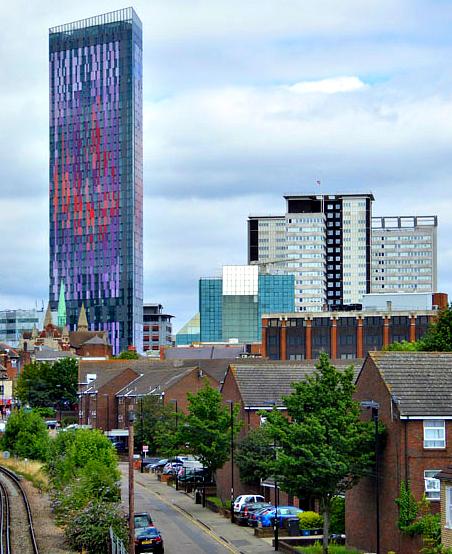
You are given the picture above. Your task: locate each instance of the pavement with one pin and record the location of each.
(233, 538)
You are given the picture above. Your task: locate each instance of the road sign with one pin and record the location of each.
(145, 448)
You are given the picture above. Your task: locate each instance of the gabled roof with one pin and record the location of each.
(12, 352)
(263, 383)
(154, 382)
(78, 338)
(46, 354)
(96, 340)
(105, 377)
(215, 368)
(420, 382)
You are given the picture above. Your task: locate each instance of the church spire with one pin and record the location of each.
(82, 324)
(48, 317)
(62, 306)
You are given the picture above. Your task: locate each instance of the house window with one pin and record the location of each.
(449, 507)
(432, 485)
(434, 433)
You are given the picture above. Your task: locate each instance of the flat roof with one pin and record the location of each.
(330, 196)
(125, 14)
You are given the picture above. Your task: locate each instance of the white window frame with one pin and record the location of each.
(430, 425)
(431, 484)
(449, 507)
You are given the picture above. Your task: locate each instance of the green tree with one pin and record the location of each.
(254, 453)
(206, 430)
(128, 355)
(26, 435)
(155, 422)
(323, 448)
(404, 346)
(439, 334)
(41, 384)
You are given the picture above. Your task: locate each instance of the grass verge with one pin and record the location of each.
(30, 470)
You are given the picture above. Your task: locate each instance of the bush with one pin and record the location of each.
(310, 520)
(72, 451)
(90, 528)
(26, 436)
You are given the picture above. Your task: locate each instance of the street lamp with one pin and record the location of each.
(275, 482)
(375, 407)
(174, 401)
(131, 419)
(231, 405)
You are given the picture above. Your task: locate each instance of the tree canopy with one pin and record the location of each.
(206, 430)
(26, 435)
(128, 355)
(41, 384)
(322, 447)
(438, 337)
(253, 454)
(155, 422)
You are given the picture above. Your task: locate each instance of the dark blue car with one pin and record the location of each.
(267, 517)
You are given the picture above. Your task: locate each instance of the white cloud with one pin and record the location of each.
(328, 86)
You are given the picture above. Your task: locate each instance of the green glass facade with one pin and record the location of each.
(238, 316)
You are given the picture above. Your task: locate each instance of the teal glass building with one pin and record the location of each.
(231, 307)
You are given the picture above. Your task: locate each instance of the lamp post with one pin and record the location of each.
(142, 433)
(231, 405)
(174, 401)
(275, 482)
(375, 407)
(131, 417)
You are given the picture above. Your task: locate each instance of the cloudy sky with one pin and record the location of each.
(244, 100)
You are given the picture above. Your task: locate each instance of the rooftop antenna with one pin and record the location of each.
(322, 196)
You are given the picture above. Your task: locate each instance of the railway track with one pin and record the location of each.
(17, 535)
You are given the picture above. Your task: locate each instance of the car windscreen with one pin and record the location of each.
(149, 532)
(141, 521)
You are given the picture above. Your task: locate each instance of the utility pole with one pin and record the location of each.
(131, 486)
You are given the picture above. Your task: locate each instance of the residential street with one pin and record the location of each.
(186, 524)
(180, 533)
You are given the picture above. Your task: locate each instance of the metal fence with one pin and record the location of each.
(117, 546)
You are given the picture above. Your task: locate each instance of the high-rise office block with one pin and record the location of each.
(404, 254)
(157, 329)
(324, 241)
(96, 173)
(14, 322)
(231, 306)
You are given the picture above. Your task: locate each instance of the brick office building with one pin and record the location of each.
(343, 334)
(414, 391)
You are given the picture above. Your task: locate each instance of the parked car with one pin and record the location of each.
(253, 517)
(241, 518)
(171, 468)
(267, 519)
(147, 537)
(149, 462)
(159, 465)
(246, 499)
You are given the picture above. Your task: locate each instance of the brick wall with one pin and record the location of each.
(403, 458)
(193, 383)
(446, 532)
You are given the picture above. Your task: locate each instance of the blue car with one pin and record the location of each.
(267, 517)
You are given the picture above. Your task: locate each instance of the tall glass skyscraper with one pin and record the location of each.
(96, 173)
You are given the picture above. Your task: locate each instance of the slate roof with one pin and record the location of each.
(421, 382)
(210, 352)
(48, 354)
(215, 368)
(103, 378)
(156, 381)
(265, 382)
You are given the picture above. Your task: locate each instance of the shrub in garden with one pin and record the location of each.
(310, 520)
